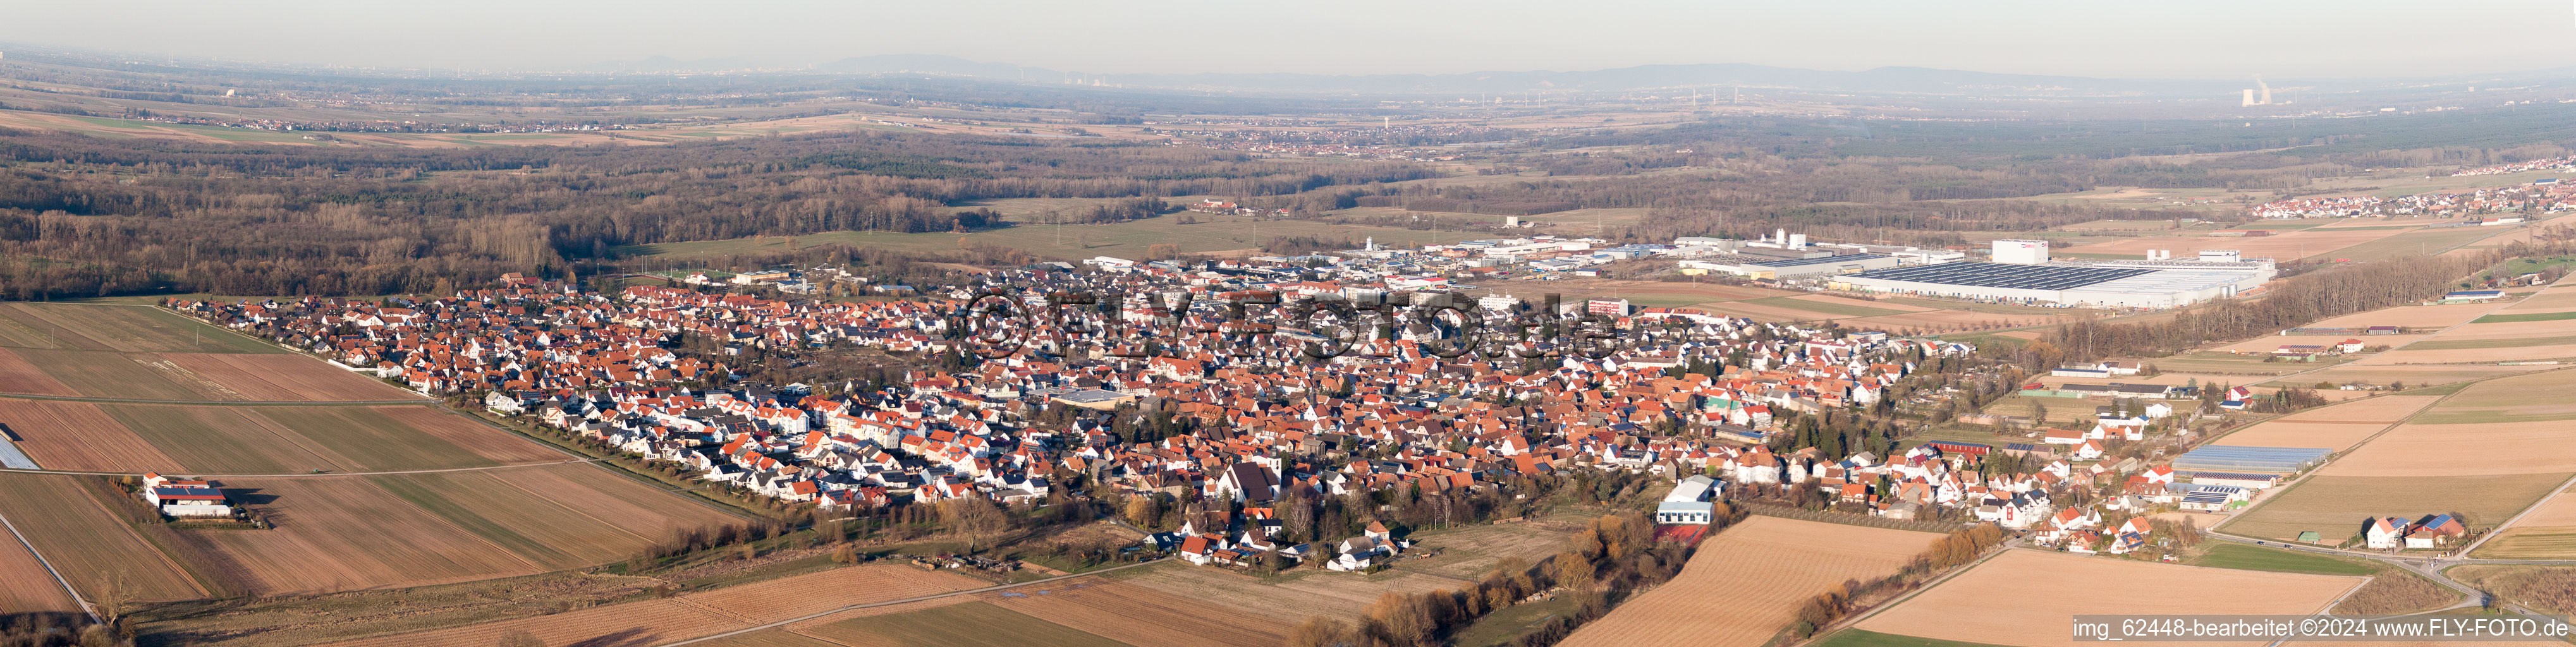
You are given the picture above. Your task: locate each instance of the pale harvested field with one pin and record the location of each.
(2534, 398)
(1757, 572)
(2269, 343)
(1334, 595)
(19, 376)
(2556, 299)
(2411, 316)
(2336, 426)
(1762, 312)
(1140, 616)
(2463, 449)
(285, 378)
(2413, 376)
(2201, 520)
(2024, 597)
(24, 585)
(500, 446)
(2511, 330)
(77, 436)
(2516, 353)
(2284, 246)
(2335, 506)
(655, 622)
(2548, 532)
(1860, 303)
(340, 534)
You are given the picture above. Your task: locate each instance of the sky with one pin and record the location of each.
(2197, 39)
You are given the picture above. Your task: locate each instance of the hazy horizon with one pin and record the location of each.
(2187, 39)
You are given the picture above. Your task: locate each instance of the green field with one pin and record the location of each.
(1861, 638)
(493, 510)
(1842, 309)
(2525, 316)
(970, 624)
(2544, 542)
(2335, 507)
(2217, 363)
(2463, 344)
(2413, 245)
(1129, 240)
(2254, 558)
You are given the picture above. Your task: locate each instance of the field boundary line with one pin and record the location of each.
(867, 605)
(312, 474)
(2284, 489)
(1850, 623)
(102, 506)
(2517, 517)
(299, 441)
(49, 568)
(584, 515)
(828, 640)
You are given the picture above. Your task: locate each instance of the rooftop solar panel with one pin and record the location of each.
(2004, 275)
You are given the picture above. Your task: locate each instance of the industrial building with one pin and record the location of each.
(2021, 252)
(2115, 284)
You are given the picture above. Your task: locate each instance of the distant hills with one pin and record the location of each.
(1907, 80)
(1705, 77)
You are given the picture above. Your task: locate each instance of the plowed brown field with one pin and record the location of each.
(500, 446)
(285, 378)
(2024, 597)
(19, 376)
(24, 584)
(338, 534)
(1746, 583)
(92, 547)
(656, 622)
(1140, 616)
(77, 436)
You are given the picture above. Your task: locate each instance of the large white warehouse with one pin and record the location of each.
(2115, 284)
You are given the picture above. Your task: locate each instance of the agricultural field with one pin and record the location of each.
(1866, 638)
(2413, 376)
(654, 622)
(2543, 588)
(299, 439)
(2337, 426)
(19, 376)
(1136, 615)
(994, 626)
(93, 546)
(339, 533)
(2547, 532)
(1471, 552)
(286, 378)
(1758, 571)
(24, 584)
(2335, 507)
(2508, 399)
(77, 436)
(1289, 598)
(2417, 316)
(1997, 602)
(2253, 558)
(118, 328)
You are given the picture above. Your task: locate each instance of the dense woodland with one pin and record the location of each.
(86, 217)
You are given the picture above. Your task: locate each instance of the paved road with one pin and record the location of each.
(987, 589)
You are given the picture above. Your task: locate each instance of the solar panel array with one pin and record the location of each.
(2005, 275)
